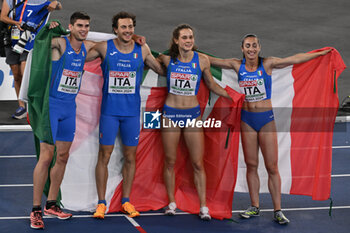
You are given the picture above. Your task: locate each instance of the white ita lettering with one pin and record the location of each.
(182, 83)
(251, 90)
(122, 82)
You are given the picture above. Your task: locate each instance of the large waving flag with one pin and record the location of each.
(305, 104)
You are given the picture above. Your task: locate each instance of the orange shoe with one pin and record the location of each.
(129, 209)
(36, 220)
(55, 211)
(100, 211)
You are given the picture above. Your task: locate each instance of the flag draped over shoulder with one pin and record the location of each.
(38, 87)
(223, 157)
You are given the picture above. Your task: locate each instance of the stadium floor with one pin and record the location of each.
(305, 214)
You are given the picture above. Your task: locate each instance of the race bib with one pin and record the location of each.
(70, 82)
(122, 82)
(183, 84)
(254, 90)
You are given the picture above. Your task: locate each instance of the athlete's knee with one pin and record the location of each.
(62, 158)
(45, 161)
(198, 166)
(104, 156)
(169, 163)
(272, 168)
(129, 160)
(252, 165)
(46, 155)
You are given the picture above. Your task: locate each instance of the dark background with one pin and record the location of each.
(285, 27)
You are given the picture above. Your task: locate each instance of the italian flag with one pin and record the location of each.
(305, 104)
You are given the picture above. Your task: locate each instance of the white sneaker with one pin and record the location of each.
(170, 209)
(204, 213)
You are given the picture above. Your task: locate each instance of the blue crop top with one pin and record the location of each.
(255, 85)
(184, 78)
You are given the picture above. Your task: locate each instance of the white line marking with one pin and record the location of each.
(15, 185)
(305, 209)
(16, 156)
(182, 213)
(341, 175)
(9, 128)
(340, 147)
(132, 221)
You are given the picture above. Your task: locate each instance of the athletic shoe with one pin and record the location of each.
(20, 113)
(129, 209)
(170, 209)
(55, 211)
(279, 217)
(204, 213)
(252, 211)
(36, 220)
(100, 211)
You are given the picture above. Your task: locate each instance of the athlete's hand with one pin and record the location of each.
(324, 52)
(141, 40)
(53, 24)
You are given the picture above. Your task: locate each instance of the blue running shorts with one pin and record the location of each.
(129, 127)
(62, 119)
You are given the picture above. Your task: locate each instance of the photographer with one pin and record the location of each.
(26, 17)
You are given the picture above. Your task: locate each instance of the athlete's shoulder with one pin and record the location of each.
(89, 44)
(58, 42)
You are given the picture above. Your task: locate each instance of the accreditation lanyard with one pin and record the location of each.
(24, 7)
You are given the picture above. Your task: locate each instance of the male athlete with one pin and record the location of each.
(122, 65)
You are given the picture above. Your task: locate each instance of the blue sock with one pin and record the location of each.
(102, 201)
(125, 199)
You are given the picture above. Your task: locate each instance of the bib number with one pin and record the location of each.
(122, 82)
(183, 84)
(70, 82)
(254, 90)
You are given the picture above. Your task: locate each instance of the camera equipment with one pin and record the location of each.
(26, 35)
(345, 105)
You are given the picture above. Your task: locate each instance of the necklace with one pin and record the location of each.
(76, 50)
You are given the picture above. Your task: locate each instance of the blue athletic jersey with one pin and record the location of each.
(255, 85)
(33, 13)
(67, 72)
(122, 73)
(184, 78)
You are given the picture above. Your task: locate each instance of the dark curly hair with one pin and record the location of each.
(123, 15)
